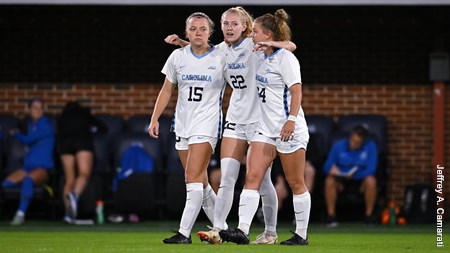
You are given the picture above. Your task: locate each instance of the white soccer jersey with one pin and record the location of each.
(240, 74)
(275, 75)
(201, 83)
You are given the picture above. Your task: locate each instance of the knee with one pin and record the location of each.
(297, 184)
(253, 179)
(191, 177)
(84, 174)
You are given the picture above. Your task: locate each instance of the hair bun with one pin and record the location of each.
(281, 15)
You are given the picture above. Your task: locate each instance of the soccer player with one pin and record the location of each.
(198, 72)
(40, 140)
(242, 116)
(282, 128)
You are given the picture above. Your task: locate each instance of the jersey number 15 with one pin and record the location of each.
(195, 94)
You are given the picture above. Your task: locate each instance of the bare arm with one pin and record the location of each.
(161, 102)
(263, 45)
(175, 40)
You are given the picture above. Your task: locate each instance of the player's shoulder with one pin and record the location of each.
(370, 144)
(183, 50)
(341, 144)
(246, 43)
(222, 46)
(284, 53)
(179, 52)
(218, 54)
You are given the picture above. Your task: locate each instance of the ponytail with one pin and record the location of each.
(282, 19)
(277, 24)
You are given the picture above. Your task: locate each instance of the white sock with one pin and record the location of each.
(248, 205)
(269, 203)
(194, 197)
(20, 213)
(208, 203)
(302, 207)
(230, 171)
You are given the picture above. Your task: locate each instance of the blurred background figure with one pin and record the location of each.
(351, 161)
(76, 147)
(39, 137)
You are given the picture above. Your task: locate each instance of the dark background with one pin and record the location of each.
(124, 44)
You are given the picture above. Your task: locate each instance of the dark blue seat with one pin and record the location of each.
(174, 166)
(114, 123)
(138, 124)
(320, 128)
(138, 193)
(15, 155)
(322, 125)
(102, 158)
(7, 122)
(175, 182)
(165, 123)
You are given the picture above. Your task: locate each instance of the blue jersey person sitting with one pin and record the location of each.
(40, 141)
(351, 159)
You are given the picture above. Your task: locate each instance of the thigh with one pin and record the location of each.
(68, 162)
(85, 160)
(294, 169)
(259, 158)
(16, 176)
(234, 148)
(39, 175)
(183, 154)
(197, 161)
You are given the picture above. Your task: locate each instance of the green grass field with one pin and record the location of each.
(38, 236)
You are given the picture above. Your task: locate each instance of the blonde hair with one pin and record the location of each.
(277, 24)
(201, 15)
(246, 19)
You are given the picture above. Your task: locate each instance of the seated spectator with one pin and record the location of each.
(76, 149)
(40, 141)
(352, 159)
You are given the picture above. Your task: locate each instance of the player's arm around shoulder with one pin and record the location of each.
(174, 39)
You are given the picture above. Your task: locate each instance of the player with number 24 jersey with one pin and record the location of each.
(273, 88)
